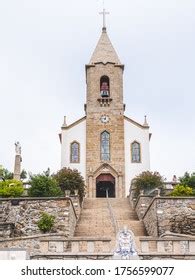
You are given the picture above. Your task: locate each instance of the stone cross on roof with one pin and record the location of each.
(104, 13)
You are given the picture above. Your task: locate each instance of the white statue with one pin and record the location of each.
(18, 148)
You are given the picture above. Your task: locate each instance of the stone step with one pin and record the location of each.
(94, 212)
(92, 233)
(125, 216)
(136, 226)
(95, 219)
(98, 225)
(83, 228)
(96, 206)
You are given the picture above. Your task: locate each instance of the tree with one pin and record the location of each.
(6, 174)
(23, 174)
(188, 180)
(11, 188)
(148, 181)
(43, 185)
(72, 180)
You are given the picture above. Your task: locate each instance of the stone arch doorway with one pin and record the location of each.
(105, 182)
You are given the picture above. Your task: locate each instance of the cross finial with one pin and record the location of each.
(104, 13)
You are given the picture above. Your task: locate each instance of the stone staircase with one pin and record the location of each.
(95, 219)
(125, 215)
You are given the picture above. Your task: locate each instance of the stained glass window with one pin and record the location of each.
(74, 152)
(135, 152)
(105, 146)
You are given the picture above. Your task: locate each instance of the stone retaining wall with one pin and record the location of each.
(142, 205)
(167, 248)
(50, 245)
(150, 219)
(24, 213)
(174, 214)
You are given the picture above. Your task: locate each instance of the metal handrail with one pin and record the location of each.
(113, 219)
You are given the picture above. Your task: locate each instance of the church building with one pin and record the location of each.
(108, 148)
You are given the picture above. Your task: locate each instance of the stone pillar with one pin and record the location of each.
(90, 187)
(120, 186)
(94, 187)
(18, 159)
(17, 167)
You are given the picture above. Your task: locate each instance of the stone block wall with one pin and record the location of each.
(150, 219)
(54, 246)
(29, 244)
(6, 230)
(167, 248)
(174, 214)
(142, 205)
(24, 213)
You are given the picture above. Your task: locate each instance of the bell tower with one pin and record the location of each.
(105, 160)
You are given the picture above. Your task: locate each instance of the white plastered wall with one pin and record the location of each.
(74, 133)
(133, 133)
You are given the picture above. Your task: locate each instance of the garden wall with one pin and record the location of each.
(19, 217)
(175, 214)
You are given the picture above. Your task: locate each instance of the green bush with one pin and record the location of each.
(11, 188)
(72, 180)
(180, 190)
(43, 185)
(188, 180)
(46, 222)
(147, 181)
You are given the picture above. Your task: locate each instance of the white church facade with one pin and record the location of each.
(105, 146)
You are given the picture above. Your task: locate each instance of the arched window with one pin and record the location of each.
(105, 146)
(104, 86)
(135, 152)
(74, 152)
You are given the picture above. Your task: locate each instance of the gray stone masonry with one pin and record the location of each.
(58, 245)
(24, 214)
(170, 247)
(161, 214)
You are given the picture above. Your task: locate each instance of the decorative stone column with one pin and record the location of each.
(120, 186)
(90, 186)
(18, 160)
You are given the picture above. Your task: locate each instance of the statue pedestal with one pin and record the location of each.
(17, 167)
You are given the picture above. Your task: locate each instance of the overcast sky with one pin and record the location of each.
(44, 46)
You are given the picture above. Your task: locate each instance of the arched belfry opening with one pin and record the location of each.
(104, 86)
(105, 182)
